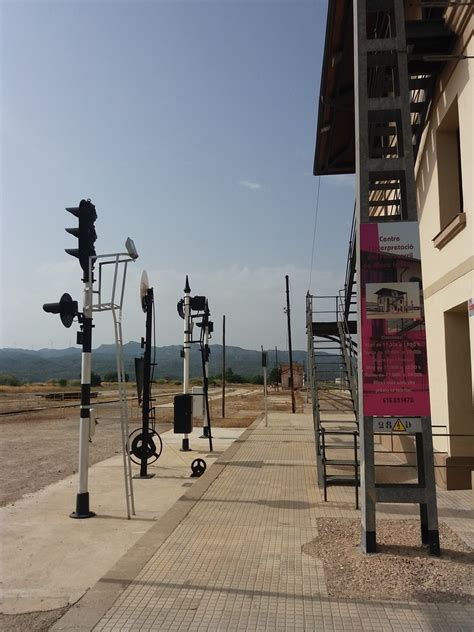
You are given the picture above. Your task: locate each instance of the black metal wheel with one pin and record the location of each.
(198, 467)
(153, 447)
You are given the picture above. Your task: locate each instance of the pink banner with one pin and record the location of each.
(395, 372)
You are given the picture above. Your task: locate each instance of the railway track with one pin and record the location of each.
(76, 404)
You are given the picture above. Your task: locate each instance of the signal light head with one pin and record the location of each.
(66, 308)
(85, 233)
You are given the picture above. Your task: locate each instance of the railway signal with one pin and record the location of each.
(86, 235)
(186, 310)
(66, 308)
(143, 445)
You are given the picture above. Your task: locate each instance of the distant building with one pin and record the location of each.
(298, 375)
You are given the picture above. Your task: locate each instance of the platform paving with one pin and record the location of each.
(228, 555)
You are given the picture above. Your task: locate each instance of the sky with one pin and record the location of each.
(191, 126)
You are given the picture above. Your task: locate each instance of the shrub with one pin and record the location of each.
(7, 379)
(233, 378)
(112, 376)
(96, 380)
(62, 382)
(275, 376)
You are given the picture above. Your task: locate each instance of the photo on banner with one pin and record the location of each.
(394, 362)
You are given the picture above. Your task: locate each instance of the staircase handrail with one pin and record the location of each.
(350, 267)
(348, 346)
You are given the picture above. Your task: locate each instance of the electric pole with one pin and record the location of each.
(293, 407)
(223, 366)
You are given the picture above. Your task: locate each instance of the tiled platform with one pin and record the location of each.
(234, 560)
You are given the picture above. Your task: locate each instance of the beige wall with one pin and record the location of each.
(448, 275)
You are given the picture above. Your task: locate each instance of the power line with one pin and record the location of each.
(314, 233)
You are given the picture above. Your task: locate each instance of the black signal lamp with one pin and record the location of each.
(66, 308)
(198, 303)
(85, 233)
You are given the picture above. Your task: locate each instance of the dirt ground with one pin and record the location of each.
(40, 448)
(400, 570)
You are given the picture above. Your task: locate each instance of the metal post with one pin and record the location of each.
(293, 406)
(276, 366)
(146, 404)
(82, 497)
(265, 394)
(207, 431)
(205, 421)
(223, 366)
(186, 351)
(264, 366)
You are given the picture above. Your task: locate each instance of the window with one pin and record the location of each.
(448, 155)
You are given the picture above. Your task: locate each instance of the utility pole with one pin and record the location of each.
(186, 351)
(293, 407)
(223, 366)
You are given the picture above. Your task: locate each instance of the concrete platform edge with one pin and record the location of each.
(87, 612)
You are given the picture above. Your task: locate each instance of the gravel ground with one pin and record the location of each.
(42, 448)
(31, 621)
(400, 570)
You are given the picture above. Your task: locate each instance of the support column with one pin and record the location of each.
(386, 194)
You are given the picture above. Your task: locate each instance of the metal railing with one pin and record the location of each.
(348, 348)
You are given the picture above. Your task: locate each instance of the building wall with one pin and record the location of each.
(448, 275)
(298, 372)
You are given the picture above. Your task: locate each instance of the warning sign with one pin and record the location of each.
(400, 425)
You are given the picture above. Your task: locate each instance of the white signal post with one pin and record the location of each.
(186, 351)
(82, 499)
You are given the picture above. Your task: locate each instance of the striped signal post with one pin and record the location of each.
(86, 235)
(85, 337)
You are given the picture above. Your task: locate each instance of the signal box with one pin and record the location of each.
(183, 414)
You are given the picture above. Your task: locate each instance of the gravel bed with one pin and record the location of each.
(400, 570)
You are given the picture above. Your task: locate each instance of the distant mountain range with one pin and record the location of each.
(45, 364)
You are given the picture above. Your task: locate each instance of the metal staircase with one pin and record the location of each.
(332, 372)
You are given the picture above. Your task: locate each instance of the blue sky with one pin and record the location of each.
(191, 126)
